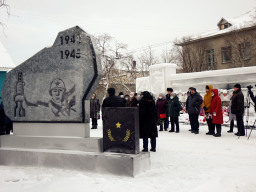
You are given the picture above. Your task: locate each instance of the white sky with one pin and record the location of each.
(34, 24)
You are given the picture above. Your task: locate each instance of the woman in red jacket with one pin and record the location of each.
(216, 111)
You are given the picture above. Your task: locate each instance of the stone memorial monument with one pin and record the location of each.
(47, 98)
(121, 132)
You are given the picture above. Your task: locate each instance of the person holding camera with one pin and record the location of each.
(237, 108)
(252, 96)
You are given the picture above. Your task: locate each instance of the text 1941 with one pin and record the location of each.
(68, 39)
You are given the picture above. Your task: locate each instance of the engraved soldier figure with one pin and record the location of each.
(60, 104)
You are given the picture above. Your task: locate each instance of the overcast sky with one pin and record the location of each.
(34, 24)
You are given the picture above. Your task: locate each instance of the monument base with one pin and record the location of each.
(52, 129)
(106, 163)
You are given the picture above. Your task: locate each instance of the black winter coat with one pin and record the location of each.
(174, 107)
(147, 118)
(113, 101)
(237, 106)
(194, 103)
(168, 97)
(134, 102)
(94, 107)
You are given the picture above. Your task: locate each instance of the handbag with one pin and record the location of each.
(162, 116)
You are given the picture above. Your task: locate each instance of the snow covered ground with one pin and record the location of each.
(183, 162)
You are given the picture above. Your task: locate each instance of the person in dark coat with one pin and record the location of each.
(161, 107)
(216, 112)
(174, 108)
(94, 110)
(194, 104)
(8, 125)
(134, 101)
(168, 96)
(237, 108)
(112, 100)
(147, 121)
(2, 122)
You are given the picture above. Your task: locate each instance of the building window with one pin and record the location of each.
(225, 26)
(210, 58)
(226, 54)
(245, 50)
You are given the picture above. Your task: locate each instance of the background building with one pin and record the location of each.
(231, 44)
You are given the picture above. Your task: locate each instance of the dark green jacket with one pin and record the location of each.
(174, 107)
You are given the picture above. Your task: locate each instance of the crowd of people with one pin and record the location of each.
(165, 110)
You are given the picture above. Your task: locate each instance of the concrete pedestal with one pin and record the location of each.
(106, 163)
(44, 145)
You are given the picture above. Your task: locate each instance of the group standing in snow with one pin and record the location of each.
(165, 111)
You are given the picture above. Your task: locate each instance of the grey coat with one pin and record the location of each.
(194, 103)
(94, 107)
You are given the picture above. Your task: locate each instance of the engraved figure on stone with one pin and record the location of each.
(60, 104)
(19, 108)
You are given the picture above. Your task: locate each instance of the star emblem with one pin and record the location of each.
(57, 83)
(118, 125)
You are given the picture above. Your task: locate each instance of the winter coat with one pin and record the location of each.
(216, 108)
(94, 107)
(128, 103)
(134, 102)
(237, 106)
(168, 97)
(187, 101)
(113, 101)
(207, 99)
(161, 106)
(194, 103)
(147, 118)
(231, 115)
(174, 107)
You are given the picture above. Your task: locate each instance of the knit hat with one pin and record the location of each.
(170, 89)
(237, 86)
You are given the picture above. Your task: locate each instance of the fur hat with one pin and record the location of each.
(237, 86)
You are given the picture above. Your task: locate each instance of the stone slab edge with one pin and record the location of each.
(103, 163)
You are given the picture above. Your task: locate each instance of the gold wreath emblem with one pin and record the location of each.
(126, 138)
(110, 136)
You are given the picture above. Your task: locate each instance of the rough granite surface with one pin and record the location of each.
(53, 85)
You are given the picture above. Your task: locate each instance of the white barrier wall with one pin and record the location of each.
(162, 76)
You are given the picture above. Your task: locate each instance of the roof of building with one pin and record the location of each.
(244, 21)
(6, 62)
